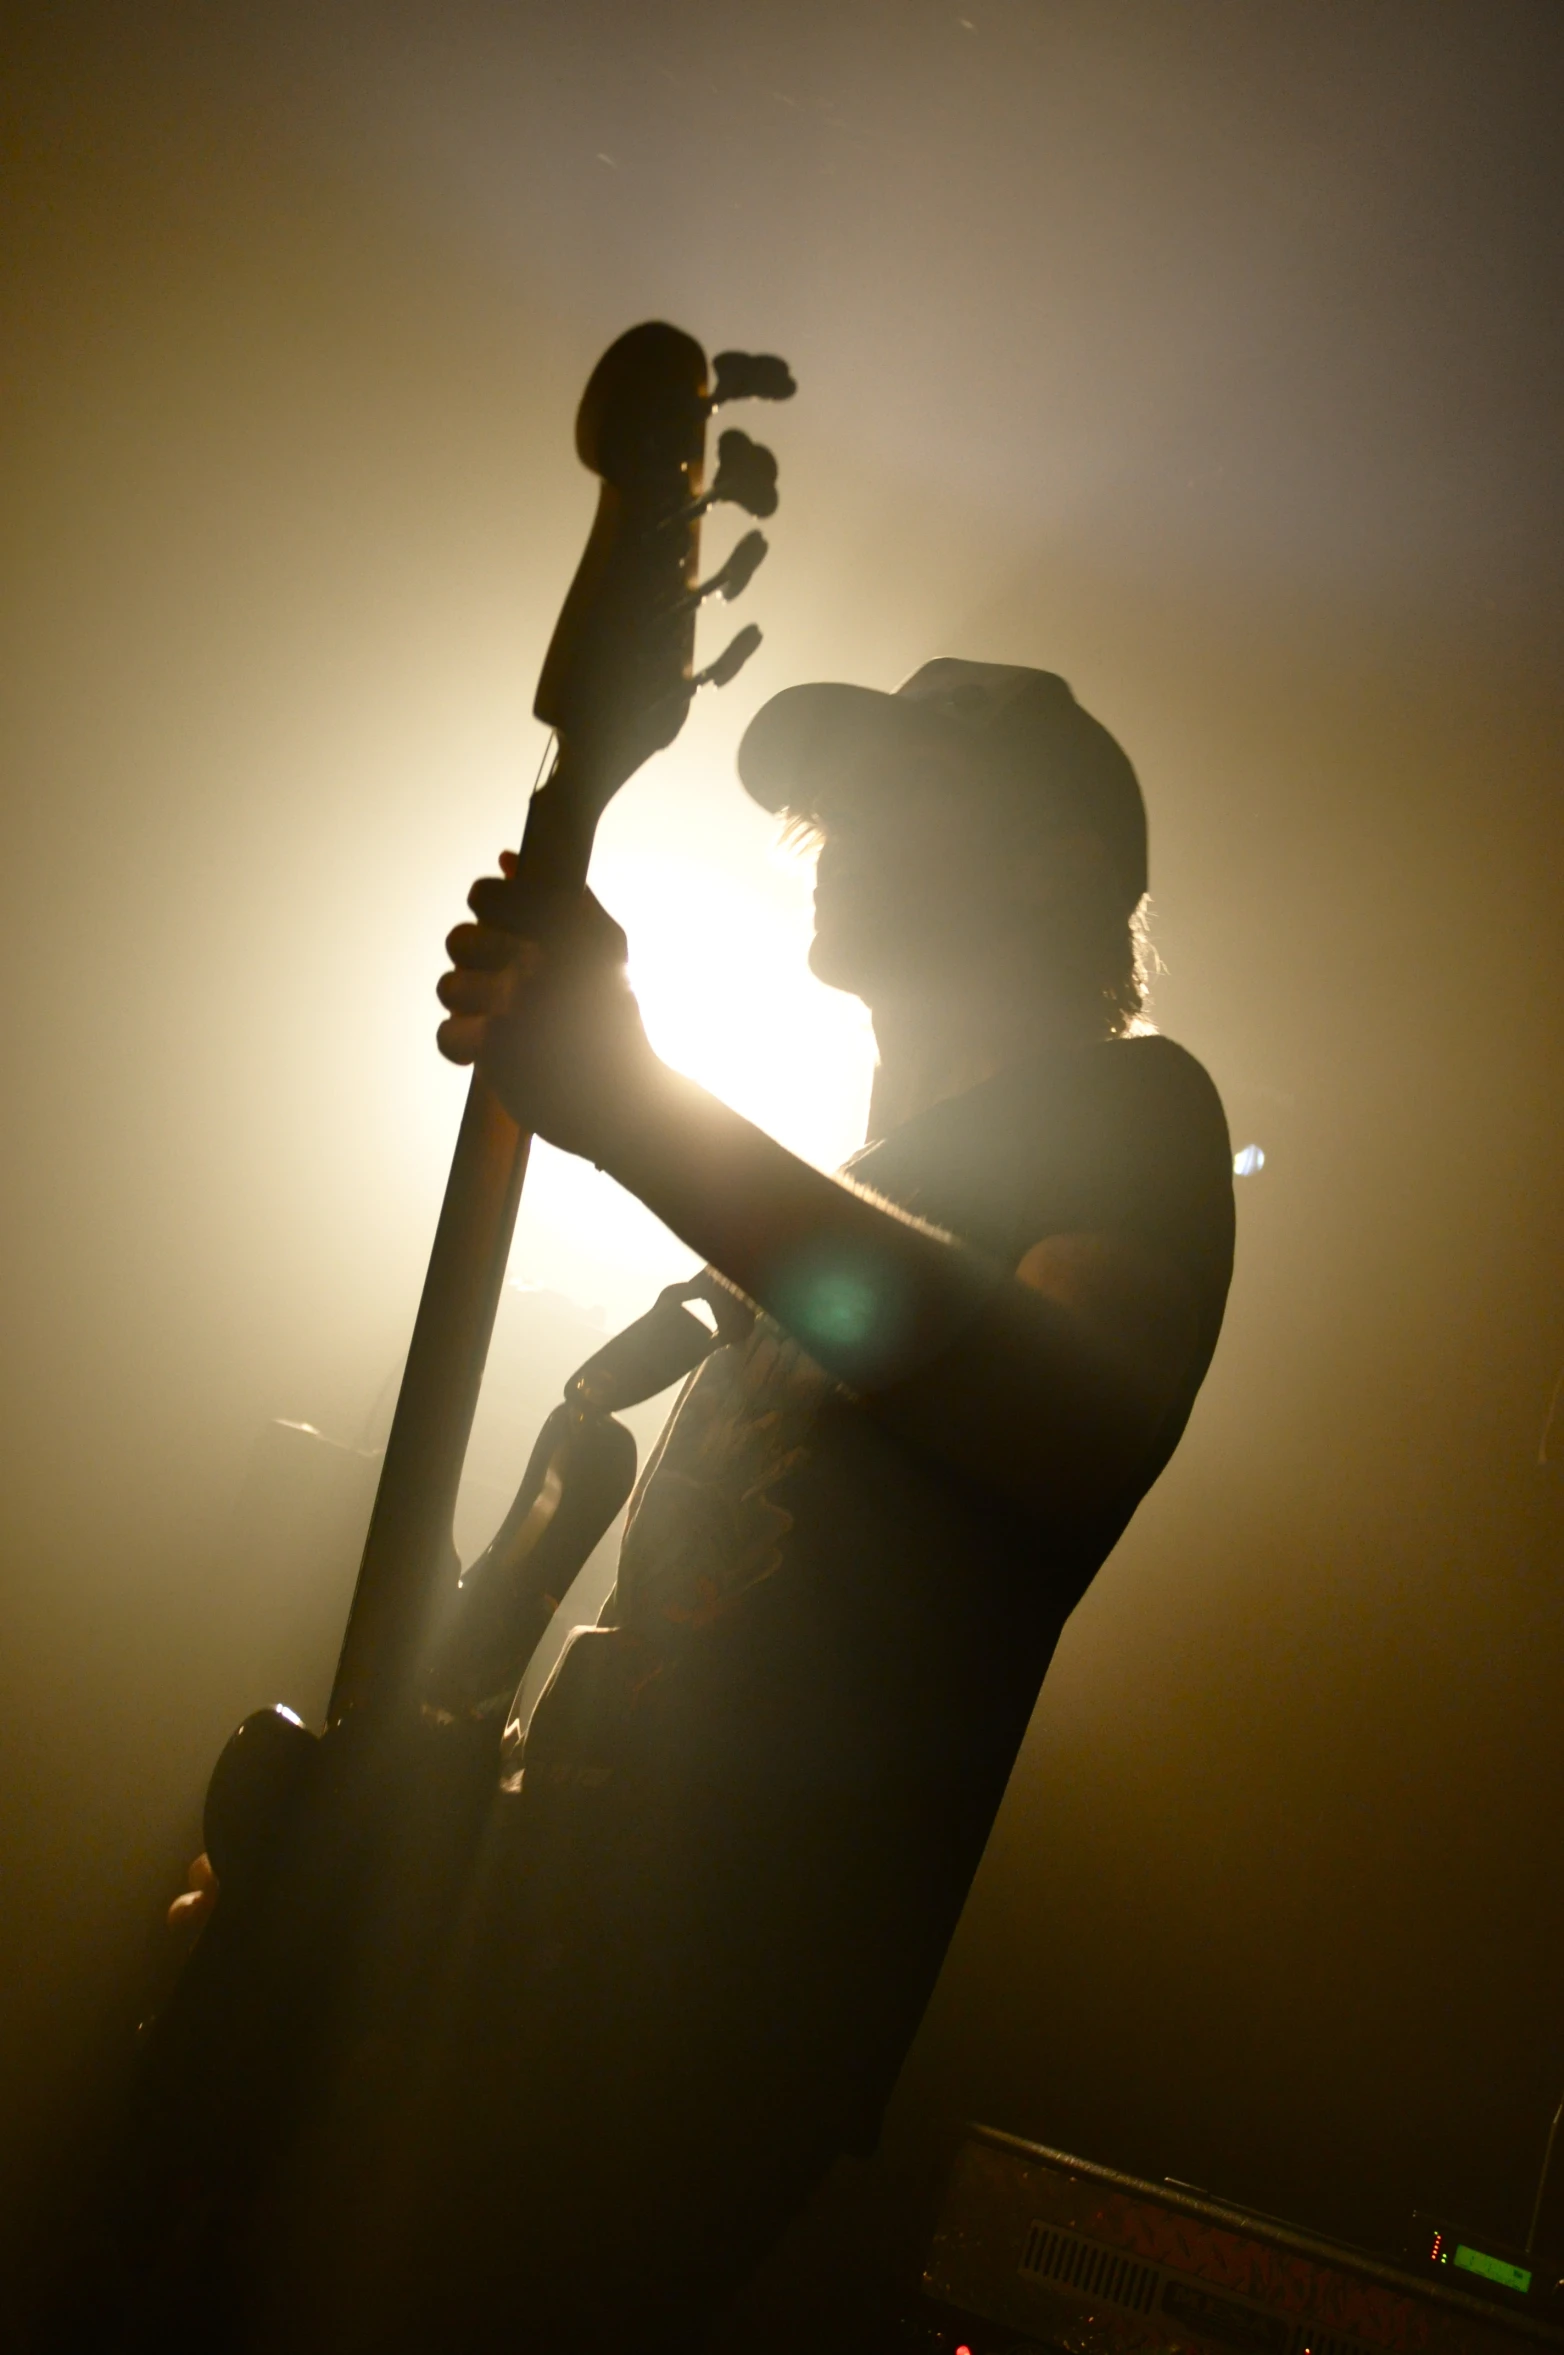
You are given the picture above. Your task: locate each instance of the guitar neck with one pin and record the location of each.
(615, 686)
(409, 1561)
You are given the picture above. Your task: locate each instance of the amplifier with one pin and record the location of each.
(1037, 2253)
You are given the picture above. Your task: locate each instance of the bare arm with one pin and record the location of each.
(1045, 1386)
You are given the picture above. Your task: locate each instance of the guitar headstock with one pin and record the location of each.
(620, 670)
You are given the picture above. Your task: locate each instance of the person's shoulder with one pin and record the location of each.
(1158, 1119)
(1148, 1105)
(1151, 1065)
(1146, 1074)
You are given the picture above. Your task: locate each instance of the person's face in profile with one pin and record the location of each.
(924, 869)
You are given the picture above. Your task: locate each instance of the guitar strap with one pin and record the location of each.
(661, 1347)
(569, 1744)
(580, 1473)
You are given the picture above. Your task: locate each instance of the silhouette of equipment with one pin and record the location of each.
(1036, 2249)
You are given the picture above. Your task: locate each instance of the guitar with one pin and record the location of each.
(343, 1857)
(616, 685)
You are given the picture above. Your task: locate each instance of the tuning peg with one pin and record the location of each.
(734, 577)
(746, 475)
(665, 718)
(751, 376)
(730, 661)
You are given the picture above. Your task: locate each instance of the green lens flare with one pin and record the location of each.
(838, 1310)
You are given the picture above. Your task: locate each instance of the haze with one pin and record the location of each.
(1207, 355)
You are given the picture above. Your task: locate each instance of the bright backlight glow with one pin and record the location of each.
(719, 939)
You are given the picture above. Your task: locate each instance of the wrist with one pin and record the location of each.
(632, 1114)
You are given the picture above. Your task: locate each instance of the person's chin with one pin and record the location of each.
(832, 961)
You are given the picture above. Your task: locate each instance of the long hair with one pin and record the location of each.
(1098, 952)
(1128, 962)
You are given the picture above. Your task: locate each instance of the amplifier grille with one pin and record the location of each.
(1054, 2254)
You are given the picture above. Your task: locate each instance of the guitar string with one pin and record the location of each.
(545, 757)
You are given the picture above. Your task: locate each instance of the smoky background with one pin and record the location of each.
(1207, 355)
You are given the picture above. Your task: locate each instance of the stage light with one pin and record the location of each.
(1248, 1161)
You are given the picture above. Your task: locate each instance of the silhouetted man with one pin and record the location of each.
(849, 1561)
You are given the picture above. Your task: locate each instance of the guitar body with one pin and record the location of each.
(294, 2033)
(351, 2045)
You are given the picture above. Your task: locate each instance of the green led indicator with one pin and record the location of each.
(1511, 2277)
